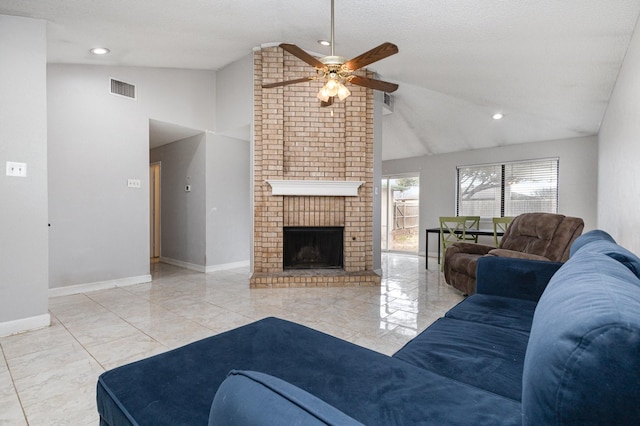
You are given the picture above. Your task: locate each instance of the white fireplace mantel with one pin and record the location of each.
(327, 188)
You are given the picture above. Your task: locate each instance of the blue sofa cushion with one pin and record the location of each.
(178, 387)
(589, 237)
(249, 398)
(516, 278)
(600, 242)
(481, 355)
(495, 310)
(582, 364)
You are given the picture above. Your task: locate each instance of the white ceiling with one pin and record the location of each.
(548, 65)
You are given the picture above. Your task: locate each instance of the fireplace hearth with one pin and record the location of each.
(308, 247)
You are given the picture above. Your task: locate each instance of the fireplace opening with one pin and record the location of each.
(313, 247)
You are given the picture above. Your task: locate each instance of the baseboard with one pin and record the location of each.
(182, 264)
(205, 269)
(226, 266)
(99, 285)
(8, 328)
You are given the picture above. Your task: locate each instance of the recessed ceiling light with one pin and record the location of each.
(99, 51)
(324, 42)
(498, 116)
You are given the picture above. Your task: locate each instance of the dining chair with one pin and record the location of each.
(453, 229)
(471, 223)
(500, 224)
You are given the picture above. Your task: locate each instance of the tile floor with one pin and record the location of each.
(48, 376)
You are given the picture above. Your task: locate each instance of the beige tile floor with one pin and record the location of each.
(48, 376)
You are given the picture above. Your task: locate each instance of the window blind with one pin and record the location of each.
(507, 189)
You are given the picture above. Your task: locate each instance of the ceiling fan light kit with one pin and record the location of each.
(337, 71)
(332, 88)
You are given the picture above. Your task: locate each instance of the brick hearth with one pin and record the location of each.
(296, 139)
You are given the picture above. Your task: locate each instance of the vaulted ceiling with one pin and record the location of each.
(548, 65)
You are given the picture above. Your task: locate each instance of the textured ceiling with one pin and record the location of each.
(548, 65)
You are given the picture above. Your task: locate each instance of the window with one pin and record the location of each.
(508, 189)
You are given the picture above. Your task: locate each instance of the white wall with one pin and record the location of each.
(577, 180)
(230, 168)
(23, 211)
(619, 155)
(228, 212)
(97, 141)
(234, 99)
(183, 236)
(209, 228)
(377, 179)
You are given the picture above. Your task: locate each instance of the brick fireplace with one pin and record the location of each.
(319, 150)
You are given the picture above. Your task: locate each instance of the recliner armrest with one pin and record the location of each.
(516, 278)
(517, 255)
(469, 248)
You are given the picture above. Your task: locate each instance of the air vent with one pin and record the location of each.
(121, 88)
(388, 103)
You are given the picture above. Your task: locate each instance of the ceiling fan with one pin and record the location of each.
(336, 71)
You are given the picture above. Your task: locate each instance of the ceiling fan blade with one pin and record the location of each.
(328, 103)
(373, 84)
(301, 54)
(288, 82)
(371, 56)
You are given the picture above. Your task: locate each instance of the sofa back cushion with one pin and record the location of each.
(544, 234)
(251, 398)
(582, 364)
(598, 241)
(589, 237)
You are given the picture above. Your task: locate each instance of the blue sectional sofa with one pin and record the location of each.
(539, 343)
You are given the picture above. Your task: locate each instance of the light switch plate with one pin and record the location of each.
(133, 183)
(16, 169)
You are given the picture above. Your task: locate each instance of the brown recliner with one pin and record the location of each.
(536, 236)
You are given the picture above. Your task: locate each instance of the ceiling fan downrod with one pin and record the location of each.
(332, 29)
(332, 59)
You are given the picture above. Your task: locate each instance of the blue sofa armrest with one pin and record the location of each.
(516, 278)
(249, 398)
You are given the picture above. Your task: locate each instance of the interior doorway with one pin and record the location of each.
(154, 210)
(400, 213)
